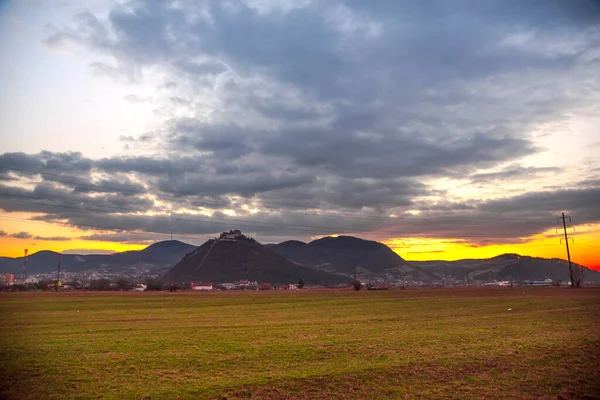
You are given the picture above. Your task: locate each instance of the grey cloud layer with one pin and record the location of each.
(345, 106)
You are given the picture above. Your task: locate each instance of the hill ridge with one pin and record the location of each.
(220, 261)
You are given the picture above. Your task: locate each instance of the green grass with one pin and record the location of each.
(270, 345)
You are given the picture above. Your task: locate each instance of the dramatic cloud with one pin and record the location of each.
(297, 119)
(21, 235)
(53, 238)
(45, 162)
(57, 200)
(512, 173)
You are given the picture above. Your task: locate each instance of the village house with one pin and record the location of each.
(203, 286)
(227, 286)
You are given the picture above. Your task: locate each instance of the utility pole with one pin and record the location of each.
(24, 268)
(58, 274)
(571, 276)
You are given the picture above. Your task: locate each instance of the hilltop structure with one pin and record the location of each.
(234, 256)
(232, 236)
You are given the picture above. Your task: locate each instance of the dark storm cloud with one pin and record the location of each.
(55, 200)
(69, 169)
(584, 202)
(53, 238)
(397, 155)
(512, 222)
(21, 235)
(151, 166)
(225, 142)
(244, 184)
(276, 107)
(346, 107)
(353, 194)
(72, 163)
(260, 224)
(413, 46)
(109, 185)
(509, 220)
(512, 173)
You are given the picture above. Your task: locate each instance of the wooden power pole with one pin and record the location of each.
(571, 276)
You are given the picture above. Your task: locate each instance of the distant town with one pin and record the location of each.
(99, 280)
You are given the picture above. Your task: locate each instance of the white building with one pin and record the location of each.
(203, 286)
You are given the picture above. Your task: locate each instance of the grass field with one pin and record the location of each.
(436, 343)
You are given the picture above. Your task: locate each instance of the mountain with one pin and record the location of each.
(342, 254)
(221, 261)
(165, 252)
(156, 257)
(506, 267)
(329, 259)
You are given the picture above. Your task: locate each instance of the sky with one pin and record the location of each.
(445, 129)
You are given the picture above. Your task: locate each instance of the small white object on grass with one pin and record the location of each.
(510, 309)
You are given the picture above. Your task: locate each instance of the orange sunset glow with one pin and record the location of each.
(583, 250)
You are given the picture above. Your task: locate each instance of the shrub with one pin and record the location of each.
(356, 284)
(300, 284)
(154, 284)
(99, 284)
(265, 286)
(124, 284)
(43, 284)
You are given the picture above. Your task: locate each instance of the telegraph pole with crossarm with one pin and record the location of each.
(575, 281)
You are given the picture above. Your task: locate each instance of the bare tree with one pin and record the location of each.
(577, 275)
(99, 284)
(124, 284)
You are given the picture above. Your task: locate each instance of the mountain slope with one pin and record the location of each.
(507, 267)
(157, 255)
(344, 253)
(223, 261)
